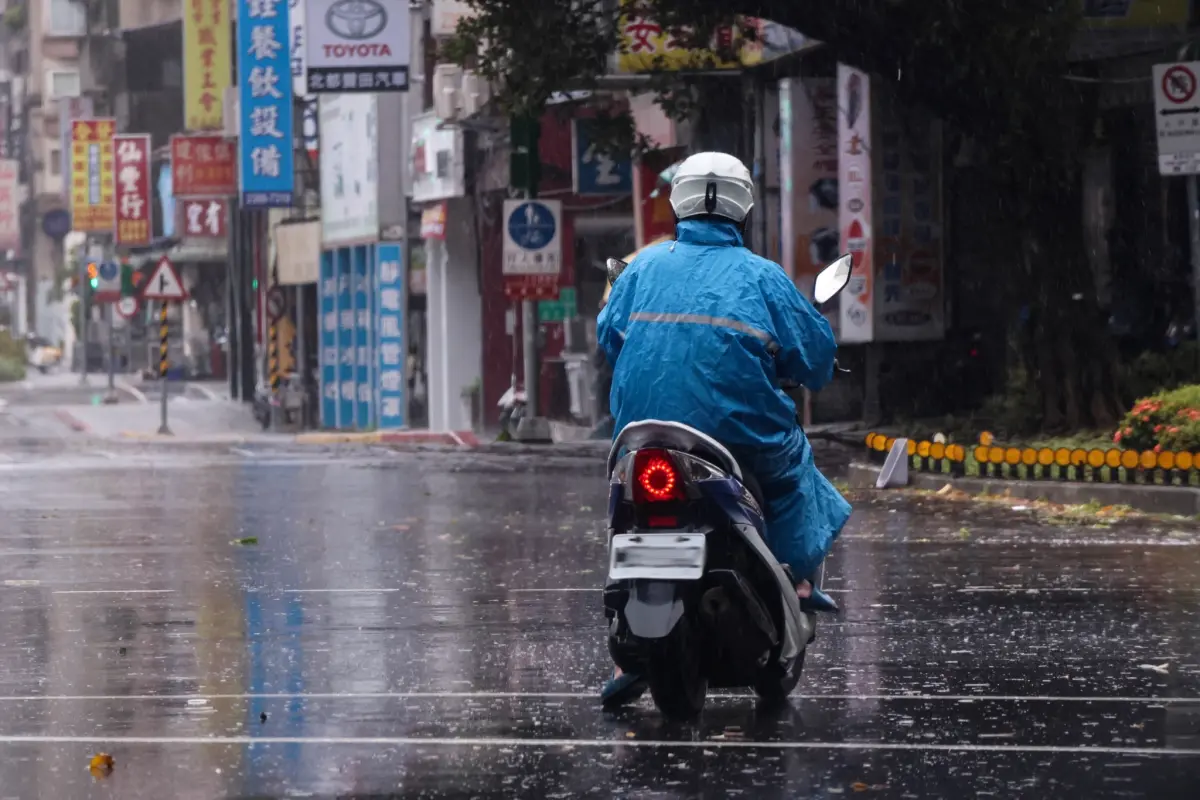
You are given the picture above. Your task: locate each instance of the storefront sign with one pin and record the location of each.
(10, 219)
(645, 46)
(348, 337)
(206, 62)
(69, 110)
(433, 222)
(809, 178)
(437, 160)
(389, 302)
(205, 218)
(328, 303)
(595, 170)
(267, 172)
(364, 336)
(857, 318)
(655, 218)
(357, 46)
(349, 170)
(203, 166)
(92, 206)
(909, 296)
(132, 191)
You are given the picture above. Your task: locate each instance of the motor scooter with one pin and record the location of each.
(694, 597)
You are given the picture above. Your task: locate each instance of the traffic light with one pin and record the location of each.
(128, 282)
(93, 273)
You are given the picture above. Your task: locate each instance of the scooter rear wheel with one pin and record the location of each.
(676, 677)
(774, 687)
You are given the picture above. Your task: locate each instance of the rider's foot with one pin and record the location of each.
(804, 590)
(622, 689)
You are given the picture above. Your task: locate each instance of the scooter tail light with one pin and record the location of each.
(656, 479)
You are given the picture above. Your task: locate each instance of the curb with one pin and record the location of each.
(464, 439)
(1180, 501)
(71, 421)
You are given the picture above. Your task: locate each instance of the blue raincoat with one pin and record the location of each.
(702, 331)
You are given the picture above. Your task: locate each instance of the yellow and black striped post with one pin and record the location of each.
(164, 330)
(273, 357)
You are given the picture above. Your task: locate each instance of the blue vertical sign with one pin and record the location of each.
(329, 343)
(347, 392)
(364, 295)
(597, 171)
(389, 304)
(266, 173)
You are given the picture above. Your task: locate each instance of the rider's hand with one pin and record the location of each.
(804, 590)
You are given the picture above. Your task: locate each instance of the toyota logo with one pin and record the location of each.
(356, 19)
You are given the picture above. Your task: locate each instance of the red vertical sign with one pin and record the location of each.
(131, 176)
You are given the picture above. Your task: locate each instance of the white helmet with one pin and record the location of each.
(712, 183)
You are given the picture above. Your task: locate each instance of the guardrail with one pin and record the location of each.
(992, 460)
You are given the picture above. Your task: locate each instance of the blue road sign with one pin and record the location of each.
(109, 270)
(531, 225)
(596, 170)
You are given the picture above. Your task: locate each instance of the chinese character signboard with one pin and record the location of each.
(856, 323)
(389, 302)
(204, 218)
(266, 171)
(646, 46)
(92, 206)
(203, 166)
(206, 62)
(328, 309)
(364, 338)
(132, 190)
(70, 109)
(347, 366)
(10, 220)
(909, 295)
(1145, 14)
(362, 46)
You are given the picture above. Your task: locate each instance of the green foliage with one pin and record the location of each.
(12, 358)
(1165, 421)
(1151, 373)
(1016, 411)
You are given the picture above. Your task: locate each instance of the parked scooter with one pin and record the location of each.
(694, 597)
(512, 409)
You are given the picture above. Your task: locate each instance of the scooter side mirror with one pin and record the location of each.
(832, 280)
(614, 267)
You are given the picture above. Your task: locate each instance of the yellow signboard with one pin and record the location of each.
(207, 66)
(1135, 13)
(93, 206)
(646, 46)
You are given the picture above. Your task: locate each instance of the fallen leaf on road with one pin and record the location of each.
(101, 765)
(859, 786)
(1161, 669)
(245, 540)
(399, 527)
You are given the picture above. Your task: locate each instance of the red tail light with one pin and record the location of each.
(655, 478)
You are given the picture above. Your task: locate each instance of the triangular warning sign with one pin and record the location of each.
(164, 284)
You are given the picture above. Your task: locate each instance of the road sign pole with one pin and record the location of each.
(111, 397)
(163, 364)
(84, 291)
(1193, 200)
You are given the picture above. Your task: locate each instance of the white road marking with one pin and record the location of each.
(339, 591)
(113, 591)
(947, 698)
(432, 741)
(137, 393)
(204, 390)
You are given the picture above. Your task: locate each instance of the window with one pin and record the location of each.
(62, 83)
(66, 17)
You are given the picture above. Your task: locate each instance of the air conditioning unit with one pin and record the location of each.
(475, 93)
(447, 89)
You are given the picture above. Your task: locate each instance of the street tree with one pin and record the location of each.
(998, 74)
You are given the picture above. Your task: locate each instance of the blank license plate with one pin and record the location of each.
(657, 556)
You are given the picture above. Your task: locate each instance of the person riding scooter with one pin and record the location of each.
(703, 332)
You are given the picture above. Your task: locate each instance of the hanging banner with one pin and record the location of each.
(364, 336)
(10, 218)
(92, 205)
(203, 166)
(69, 110)
(349, 170)
(363, 46)
(389, 302)
(207, 64)
(856, 321)
(267, 172)
(132, 190)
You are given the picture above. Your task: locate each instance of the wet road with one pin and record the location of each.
(429, 625)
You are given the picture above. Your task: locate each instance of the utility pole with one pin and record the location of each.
(525, 171)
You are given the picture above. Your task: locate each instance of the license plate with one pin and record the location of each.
(657, 556)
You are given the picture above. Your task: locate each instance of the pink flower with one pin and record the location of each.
(1172, 429)
(1158, 448)
(1158, 428)
(1129, 431)
(1117, 436)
